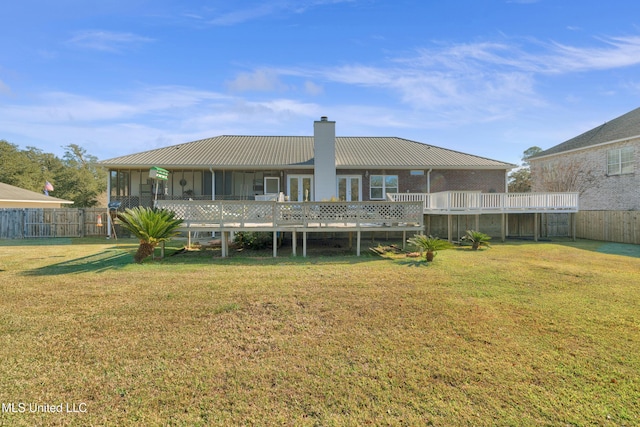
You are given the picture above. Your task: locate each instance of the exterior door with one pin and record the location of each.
(300, 188)
(349, 188)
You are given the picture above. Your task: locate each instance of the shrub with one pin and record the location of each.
(254, 239)
(477, 239)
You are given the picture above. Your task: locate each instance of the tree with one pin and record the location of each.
(81, 179)
(76, 177)
(150, 226)
(520, 178)
(18, 169)
(568, 175)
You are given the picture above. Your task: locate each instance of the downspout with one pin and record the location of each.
(506, 181)
(429, 180)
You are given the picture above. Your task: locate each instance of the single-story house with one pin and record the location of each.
(602, 164)
(303, 168)
(327, 168)
(12, 197)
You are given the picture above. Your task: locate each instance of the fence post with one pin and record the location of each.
(23, 213)
(82, 221)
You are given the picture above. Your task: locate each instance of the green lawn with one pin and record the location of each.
(520, 334)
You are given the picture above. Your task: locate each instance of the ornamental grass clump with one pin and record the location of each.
(150, 226)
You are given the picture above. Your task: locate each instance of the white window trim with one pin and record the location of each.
(265, 184)
(384, 186)
(618, 164)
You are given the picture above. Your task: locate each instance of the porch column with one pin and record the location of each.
(109, 226)
(213, 184)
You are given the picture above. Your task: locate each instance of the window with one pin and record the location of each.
(620, 161)
(380, 185)
(271, 185)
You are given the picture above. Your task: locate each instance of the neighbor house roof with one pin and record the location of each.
(624, 127)
(242, 152)
(10, 193)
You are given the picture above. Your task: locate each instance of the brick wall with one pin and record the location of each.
(441, 180)
(598, 191)
(486, 181)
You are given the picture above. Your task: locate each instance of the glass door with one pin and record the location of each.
(300, 188)
(349, 188)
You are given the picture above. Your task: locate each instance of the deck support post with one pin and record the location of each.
(572, 218)
(535, 227)
(189, 239)
(358, 238)
(404, 240)
(477, 222)
(450, 228)
(304, 244)
(223, 244)
(294, 242)
(275, 243)
(503, 230)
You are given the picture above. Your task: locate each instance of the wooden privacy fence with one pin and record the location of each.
(42, 223)
(610, 226)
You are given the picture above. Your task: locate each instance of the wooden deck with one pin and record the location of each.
(296, 217)
(475, 202)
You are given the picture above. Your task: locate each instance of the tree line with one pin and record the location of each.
(76, 176)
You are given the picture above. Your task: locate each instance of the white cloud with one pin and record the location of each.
(266, 8)
(107, 41)
(262, 80)
(313, 89)
(4, 89)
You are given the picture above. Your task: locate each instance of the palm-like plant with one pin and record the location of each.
(150, 226)
(429, 244)
(477, 239)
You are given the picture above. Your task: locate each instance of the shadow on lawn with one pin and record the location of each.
(109, 259)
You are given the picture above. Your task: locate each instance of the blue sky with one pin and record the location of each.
(487, 77)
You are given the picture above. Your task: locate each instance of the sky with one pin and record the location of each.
(486, 77)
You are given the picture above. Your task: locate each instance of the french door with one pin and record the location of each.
(300, 188)
(349, 188)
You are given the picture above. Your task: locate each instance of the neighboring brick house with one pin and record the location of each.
(318, 167)
(602, 164)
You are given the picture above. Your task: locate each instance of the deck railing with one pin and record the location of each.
(214, 214)
(470, 202)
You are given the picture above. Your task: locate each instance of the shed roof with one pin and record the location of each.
(11, 193)
(241, 152)
(620, 128)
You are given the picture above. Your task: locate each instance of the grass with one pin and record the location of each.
(519, 334)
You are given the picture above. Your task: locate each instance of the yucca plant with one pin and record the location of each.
(429, 244)
(477, 239)
(150, 226)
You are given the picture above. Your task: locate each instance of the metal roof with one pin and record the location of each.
(275, 152)
(624, 127)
